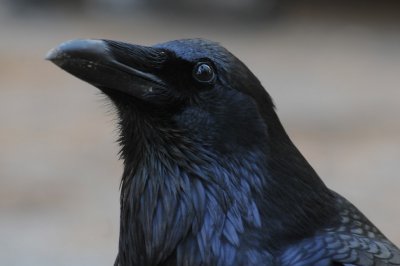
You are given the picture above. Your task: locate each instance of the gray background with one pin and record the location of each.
(333, 72)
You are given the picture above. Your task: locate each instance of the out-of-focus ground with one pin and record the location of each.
(334, 74)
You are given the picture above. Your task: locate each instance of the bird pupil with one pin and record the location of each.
(203, 72)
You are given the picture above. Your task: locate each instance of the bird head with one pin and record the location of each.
(192, 86)
(192, 105)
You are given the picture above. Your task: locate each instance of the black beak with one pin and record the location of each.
(111, 65)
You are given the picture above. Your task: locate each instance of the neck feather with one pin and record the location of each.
(180, 198)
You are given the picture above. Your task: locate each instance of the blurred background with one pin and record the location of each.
(332, 67)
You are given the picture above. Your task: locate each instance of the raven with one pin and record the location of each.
(210, 175)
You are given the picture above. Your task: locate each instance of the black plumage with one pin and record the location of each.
(211, 177)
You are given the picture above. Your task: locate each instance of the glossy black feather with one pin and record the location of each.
(353, 240)
(211, 177)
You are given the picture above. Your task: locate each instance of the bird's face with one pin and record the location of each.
(192, 86)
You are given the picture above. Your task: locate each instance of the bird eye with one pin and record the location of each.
(203, 72)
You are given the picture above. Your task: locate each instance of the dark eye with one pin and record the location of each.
(203, 72)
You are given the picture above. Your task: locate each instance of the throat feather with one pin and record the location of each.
(174, 207)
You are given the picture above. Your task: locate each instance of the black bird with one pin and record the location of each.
(211, 177)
